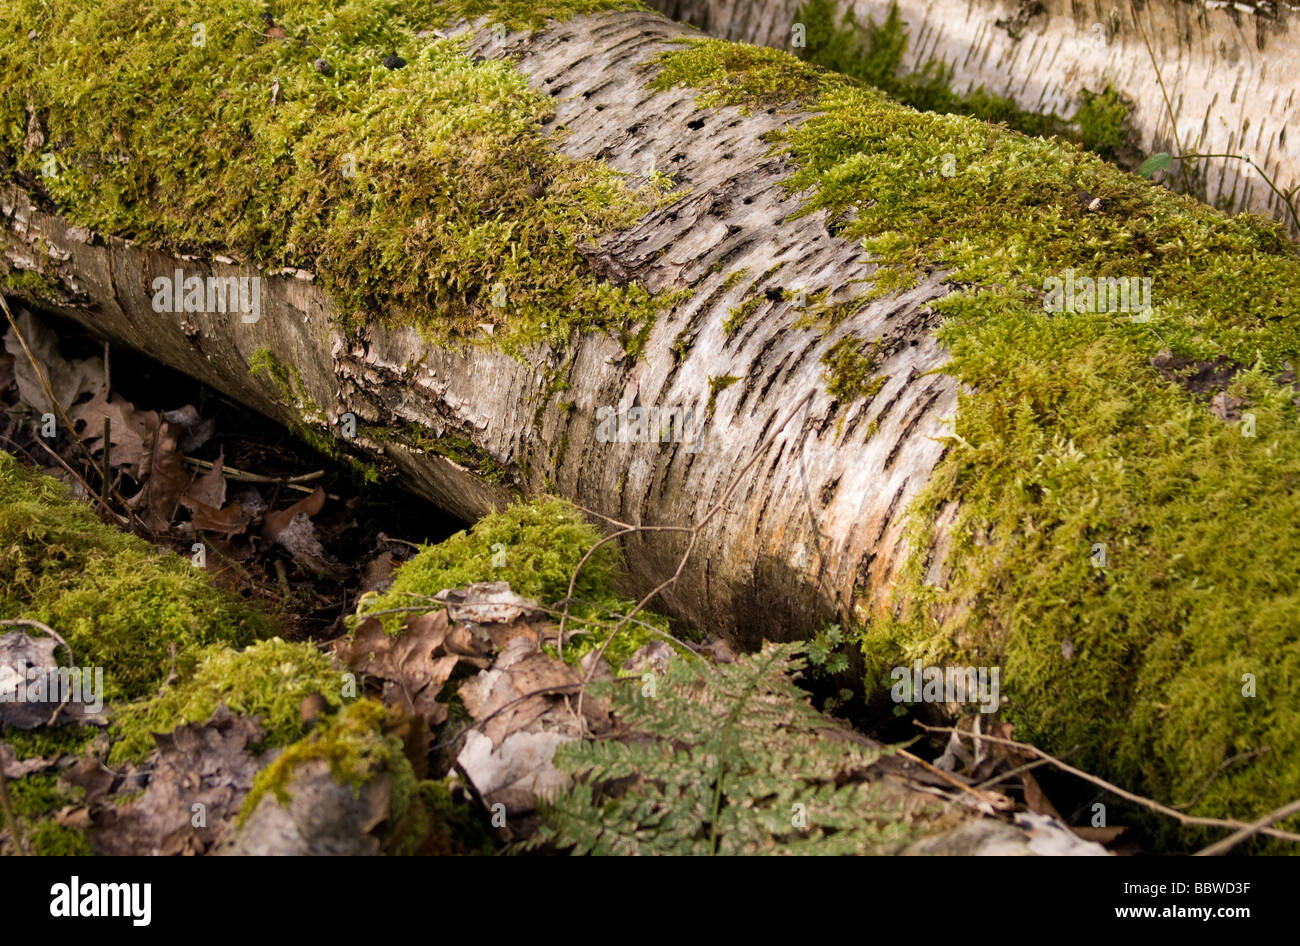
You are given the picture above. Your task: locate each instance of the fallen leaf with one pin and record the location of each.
(131, 432)
(273, 523)
(408, 663)
(210, 488)
(229, 520)
(195, 431)
(487, 602)
(166, 479)
(68, 380)
(208, 764)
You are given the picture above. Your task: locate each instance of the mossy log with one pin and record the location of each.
(818, 518)
(1230, 68)
(1099, 500)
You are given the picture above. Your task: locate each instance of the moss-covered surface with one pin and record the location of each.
(120, 603)
(268, 680)
(35, 799)
(873, 53)
(311, 424)
(423, 817)
(423, 191)
(1067, 437)
(458, 449)
(535, 547)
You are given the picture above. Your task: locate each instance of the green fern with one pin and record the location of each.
(727, 759)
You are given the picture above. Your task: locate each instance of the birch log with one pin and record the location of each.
(1232, 70)
(812, 530)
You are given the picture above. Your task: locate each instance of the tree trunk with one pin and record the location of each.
(812, 530)
(1230, 69)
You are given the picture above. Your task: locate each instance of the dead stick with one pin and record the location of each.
(1116, 790)
(1232, 840)
(10, 818)
(108, 446)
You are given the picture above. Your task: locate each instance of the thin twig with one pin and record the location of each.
(7, 807)
(1232, 840)
(995, 800)
(1116, 790)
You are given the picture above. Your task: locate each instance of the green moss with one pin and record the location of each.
(734, 278)
(436, 824)
(408, 191)
(462, 450)
(311, 421)
(354, 746)
(717, 385)
(36, 795)
(850, 371)
(1103, 121)
(268, 680)
(1066, 437)
(535, 547)
(46, 741)
(120, 603)
(31, 285)
(50, 839)
(423, 817)
(736, 317)
(35, 798)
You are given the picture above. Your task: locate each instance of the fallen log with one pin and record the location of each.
(1017, 408)
(1229, 70)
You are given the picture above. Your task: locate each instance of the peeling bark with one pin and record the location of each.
(813, 530)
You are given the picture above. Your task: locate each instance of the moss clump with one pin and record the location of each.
(535, 547)
(34, 286)
(850, 371)
(34, 798)
(120, 603)
(423, 817)
(1066, 438)
(427, 193)
(268, 680)
(354, 746)
(46, 741)
(736, 317)
(51, 839)
(717, 385)
(1102, 121)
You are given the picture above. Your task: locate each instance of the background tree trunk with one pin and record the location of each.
(813, 529)
(1231, 69)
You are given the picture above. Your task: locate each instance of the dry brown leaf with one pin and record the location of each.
(166, 479)
(130, 431)
(408, 664)
(209, 764)
(229, 520)
(1100, 835)
(210, 488)
(274, 523)
(68, 379)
